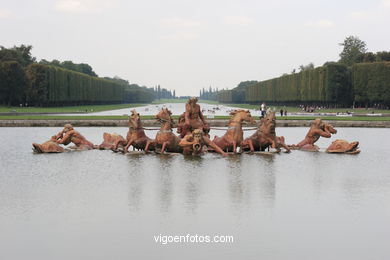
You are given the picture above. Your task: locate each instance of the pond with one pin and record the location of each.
(175, 108)
(105, 205)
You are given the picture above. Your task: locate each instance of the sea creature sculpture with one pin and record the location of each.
(69, 135)
(318, 128)
(342, 146)
(50, 146)
(196, 143)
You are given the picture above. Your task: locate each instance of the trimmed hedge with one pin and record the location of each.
(50, 85)
(362, 83)
(371, 82)
(326, 84)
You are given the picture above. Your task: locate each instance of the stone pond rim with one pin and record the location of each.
(154, 123)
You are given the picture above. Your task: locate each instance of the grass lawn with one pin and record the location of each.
(67, 109)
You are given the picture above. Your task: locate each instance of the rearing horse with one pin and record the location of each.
(265, 136)
(234, 135)
(165, 139)
(136, 135)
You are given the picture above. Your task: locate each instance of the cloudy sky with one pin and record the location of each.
(186, 45)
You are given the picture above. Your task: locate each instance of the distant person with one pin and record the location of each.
(281, 112)
(263, 110)
(285, 112)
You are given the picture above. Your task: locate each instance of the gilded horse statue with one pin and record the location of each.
(136, 136)
(265, 136)
(165, 139)
(234, 135)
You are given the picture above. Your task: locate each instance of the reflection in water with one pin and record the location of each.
(236, 186)
(135, 179)
(298, 202)
(165, 191)
(267, 182)
(193, 174)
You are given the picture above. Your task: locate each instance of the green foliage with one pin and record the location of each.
(371, 82)
(309, 66)
(327, 84)
(353, 49)
(225, 96)
(383, 56)
(338, 85)
(50, 85)
(13, 83)
(21, 54)
(69, 65)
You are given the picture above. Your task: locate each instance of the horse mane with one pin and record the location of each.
(234, 113)
(263, 127)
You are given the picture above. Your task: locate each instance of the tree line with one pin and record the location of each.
(361, 78)
(25, 81)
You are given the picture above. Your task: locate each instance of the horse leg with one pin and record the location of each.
(147, 146)
(163, 147)
(234, 146)
(116, 144)
(128, 145)
(252, 149)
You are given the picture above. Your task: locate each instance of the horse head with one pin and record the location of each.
(240, 115)
(268, 123)
(165, 116)
(135, 119)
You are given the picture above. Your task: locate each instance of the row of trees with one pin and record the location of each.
(208, 94)
(54, 83)
(164, 93)
(359, 76)
(327, 84)
(333, 84)
(69, 65)
(13, 80)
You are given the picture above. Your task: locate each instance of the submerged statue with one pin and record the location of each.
(50, 146)
(111, 141)
(136, 136)
(265, 136)
(234, 135)
(69, 135)
(192, 119)
(342, 146)
(165, 140)
(317, 129)
(65, 136)
(196, 143)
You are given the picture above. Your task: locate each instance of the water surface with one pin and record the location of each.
(103, 205)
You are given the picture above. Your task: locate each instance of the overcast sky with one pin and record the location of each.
(186, 45)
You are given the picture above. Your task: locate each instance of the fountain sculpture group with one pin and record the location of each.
(194, 138)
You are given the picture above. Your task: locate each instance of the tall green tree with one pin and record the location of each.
(353, 48)
(13, 83)
(21, 54)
